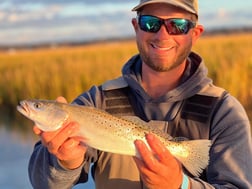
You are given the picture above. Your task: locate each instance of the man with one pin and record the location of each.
(167, 86)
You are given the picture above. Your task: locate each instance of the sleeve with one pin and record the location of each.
(45, 171)
(231, 152)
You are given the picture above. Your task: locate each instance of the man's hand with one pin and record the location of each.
(64, 143)
(158, 168)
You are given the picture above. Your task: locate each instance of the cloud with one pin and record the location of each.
(27, 10)
(34, 23)
(15, 15)
(63, 2)
(224, 18)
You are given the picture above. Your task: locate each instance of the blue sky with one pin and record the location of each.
(36, 21)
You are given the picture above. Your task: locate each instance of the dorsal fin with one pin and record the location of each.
(147, 126)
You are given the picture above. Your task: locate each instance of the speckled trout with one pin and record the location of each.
(109, 133)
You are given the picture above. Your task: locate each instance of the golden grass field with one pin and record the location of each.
(68, 71)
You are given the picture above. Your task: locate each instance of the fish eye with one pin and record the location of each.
(37, 105)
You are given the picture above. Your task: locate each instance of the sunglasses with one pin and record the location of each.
(174, 26)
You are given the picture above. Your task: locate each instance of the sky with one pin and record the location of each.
(52, 21)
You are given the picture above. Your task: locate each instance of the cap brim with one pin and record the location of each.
(171, 2)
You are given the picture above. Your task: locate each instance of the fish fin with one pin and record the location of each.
(150, 127)
(197, 156)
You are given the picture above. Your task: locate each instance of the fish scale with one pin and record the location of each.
(109, 133)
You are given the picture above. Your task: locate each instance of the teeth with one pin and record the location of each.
(161, 48)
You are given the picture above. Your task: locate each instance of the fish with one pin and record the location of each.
(114, 134)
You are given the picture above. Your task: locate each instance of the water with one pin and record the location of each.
(13, 161)
(15, 151)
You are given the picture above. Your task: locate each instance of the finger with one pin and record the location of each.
(36, 130)
(82, 140)
(61, 99)
(70, 144)
(73, 159)
(164, 156)
(76, 149)
(46, 137)
(159, 149)
(147, 176)
(140, 165)
(147, 156)
(54, 144)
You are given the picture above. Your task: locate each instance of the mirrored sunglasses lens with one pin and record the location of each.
(177, 26)
(149, 23)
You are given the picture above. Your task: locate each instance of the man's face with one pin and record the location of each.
(162, 51)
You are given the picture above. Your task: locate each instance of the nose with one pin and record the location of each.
(163, 33)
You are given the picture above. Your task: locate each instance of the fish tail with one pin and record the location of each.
(197, 156)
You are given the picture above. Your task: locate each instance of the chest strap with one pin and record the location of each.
(199, 107)
(117, 102)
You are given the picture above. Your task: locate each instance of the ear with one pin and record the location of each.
(135, 24)
(197, 31)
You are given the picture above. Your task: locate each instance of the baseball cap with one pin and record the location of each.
(188, 5)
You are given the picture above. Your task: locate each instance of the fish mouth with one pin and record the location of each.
(23, 108)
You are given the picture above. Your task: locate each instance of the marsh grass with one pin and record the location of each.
(229, 59)
(68, 71)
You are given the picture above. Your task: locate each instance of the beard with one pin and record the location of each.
(167, 63)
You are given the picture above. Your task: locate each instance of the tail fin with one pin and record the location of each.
(198, 155)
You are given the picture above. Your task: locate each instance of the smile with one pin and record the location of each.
(161, 47)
